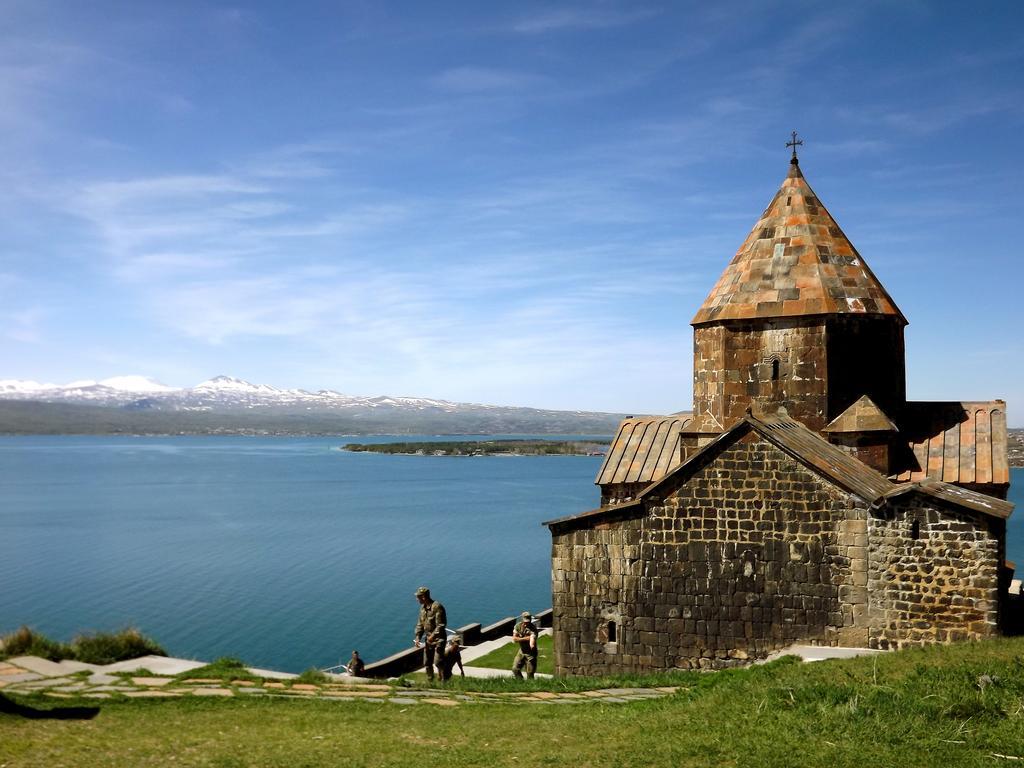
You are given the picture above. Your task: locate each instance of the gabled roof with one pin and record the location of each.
(862, 416)
(644, 449)
(954, 494)
(796, 262)
(955, 442)
(818, 455)
(810, 449)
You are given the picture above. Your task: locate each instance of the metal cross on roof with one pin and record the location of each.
(794, 144)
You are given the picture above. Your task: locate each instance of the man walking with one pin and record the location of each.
(525, 633)
(430, 630)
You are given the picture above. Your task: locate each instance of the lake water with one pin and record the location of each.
(285, 552)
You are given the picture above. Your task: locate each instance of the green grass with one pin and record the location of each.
(926, 707)
(225, 668)
(92, 648)
(502, 658)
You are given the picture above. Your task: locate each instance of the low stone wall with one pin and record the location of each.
(411, 659)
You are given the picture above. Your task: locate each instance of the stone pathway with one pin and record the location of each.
(29, 675)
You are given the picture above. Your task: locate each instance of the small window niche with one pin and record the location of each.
(775, 369)
(613, 632)
(915, 530)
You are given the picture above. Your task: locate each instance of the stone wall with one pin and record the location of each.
(872, 448)
(709, 374)
(934, 574)
(813, 367)
(751, 553)
(764, 365)
(616, 493)
(595, 580)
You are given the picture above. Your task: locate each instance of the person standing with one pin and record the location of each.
(525, 633)
(430, 631)
(355, 665)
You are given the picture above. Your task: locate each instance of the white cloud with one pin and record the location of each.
(471, 79)
(590, 17)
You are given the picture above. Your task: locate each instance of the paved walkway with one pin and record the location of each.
(154, 677)
(818, 653)
(159, 677)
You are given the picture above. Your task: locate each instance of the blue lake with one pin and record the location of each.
(285, 552)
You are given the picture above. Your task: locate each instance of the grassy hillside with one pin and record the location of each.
(954, 706)
(502, 658)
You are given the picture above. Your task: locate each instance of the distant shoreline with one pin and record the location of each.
(485, 448)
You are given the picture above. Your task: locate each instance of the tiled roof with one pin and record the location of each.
(862, 416)
(954, 494)
(796, 262)
(644, 449)
(623, 509)
(956, 442)
(812, 450)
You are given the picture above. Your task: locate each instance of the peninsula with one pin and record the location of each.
(512, 447)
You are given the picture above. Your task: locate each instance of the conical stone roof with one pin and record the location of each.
(796, 262)
(863, 416)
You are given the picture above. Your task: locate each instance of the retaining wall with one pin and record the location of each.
(411, 659)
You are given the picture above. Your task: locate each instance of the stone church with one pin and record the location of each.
(804, 499)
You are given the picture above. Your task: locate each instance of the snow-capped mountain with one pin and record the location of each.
(87, 390)
(226, 405)
(220, 391)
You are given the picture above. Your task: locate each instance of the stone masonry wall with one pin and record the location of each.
(753, 553)
(594, 579)
(616, 493)
(767, 364)
(934, 574)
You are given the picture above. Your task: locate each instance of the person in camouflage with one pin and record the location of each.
(430, 632)
(525, 633)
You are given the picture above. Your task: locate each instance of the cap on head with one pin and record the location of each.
(525, 615)
(422, 591)
(455, 640)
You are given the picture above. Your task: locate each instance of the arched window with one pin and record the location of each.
(775, 370)
(915, 530)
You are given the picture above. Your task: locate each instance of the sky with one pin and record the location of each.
(510, 203)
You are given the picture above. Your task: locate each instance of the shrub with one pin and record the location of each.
(24, 641)
(107, 647)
